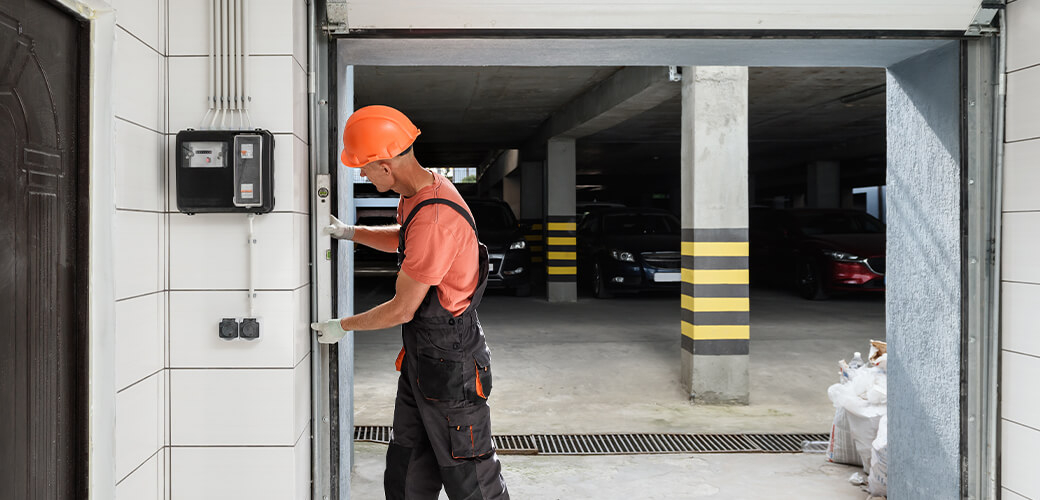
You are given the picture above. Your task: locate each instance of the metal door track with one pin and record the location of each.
(628, 444)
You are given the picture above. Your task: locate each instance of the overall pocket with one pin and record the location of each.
(470, 430)
(439, 377)
(482, 375)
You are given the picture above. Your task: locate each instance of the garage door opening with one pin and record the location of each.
(914, 183)
(607, 363)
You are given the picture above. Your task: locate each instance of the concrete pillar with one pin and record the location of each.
(532, 208)
(560, 231)
(511, 192)
(532, 185)
(924, 303)
(716, 328)
(823, 184)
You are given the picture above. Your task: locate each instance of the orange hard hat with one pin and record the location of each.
(376, 133)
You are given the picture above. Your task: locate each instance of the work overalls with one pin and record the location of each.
(442, 422)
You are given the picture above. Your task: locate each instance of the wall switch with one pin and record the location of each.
(228, 329)
(250, 329)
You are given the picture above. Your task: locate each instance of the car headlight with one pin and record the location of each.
(622, 256)
(518, 245)
(841, 256)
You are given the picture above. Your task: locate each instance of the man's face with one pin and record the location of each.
(378, 172)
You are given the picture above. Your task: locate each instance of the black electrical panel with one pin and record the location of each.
(225, 171)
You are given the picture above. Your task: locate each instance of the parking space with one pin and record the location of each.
(610, 365)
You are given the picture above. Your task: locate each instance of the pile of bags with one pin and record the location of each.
(859, 435)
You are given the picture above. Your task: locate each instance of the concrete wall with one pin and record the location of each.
(1020, 272)
(197, 417)
(923, 300)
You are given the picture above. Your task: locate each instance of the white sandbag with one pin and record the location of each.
(842, 448)
(859, 418)
(877, 482)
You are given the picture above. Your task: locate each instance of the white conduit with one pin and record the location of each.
(225, 58)
(252, 268)
(228, 66)
(244, 23)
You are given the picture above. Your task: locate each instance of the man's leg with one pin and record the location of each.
(460, 435)
(411, 466)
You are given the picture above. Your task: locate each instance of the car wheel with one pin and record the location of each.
(522, 291)
(599, 284)
(809, 281)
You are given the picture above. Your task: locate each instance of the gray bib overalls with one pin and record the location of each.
(442, 422)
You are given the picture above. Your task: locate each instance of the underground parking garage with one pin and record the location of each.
(626, 178)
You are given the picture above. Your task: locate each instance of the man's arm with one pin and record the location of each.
(396, 311)
(379, 237)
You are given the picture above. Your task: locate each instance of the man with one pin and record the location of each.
(442, 423)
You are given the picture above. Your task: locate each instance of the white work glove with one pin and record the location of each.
(329, 332)
(337, 229)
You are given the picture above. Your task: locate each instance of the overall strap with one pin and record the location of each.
(432, 201)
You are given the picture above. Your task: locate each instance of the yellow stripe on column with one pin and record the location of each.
(715, 249)
(715, 304)
(563, 226)
(715, 277)
(716, 332)
(533, 237)
(562, 241)
(563, 270)
(563, 256)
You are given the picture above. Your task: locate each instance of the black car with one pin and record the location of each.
(818, 251)
(509, 258)
(629, 250)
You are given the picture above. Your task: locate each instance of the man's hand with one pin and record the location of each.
(329, 332)
(337, 229)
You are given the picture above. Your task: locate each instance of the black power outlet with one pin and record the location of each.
(228, 329)
(250, 329)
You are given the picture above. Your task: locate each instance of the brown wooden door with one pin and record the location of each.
(42, 332)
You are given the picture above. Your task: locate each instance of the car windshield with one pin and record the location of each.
(492, 217)
(640, 224)
(838, 223)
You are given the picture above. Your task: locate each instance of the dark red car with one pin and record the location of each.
(818, 251)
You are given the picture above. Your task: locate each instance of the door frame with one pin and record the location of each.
(980, 163)
(96, 190)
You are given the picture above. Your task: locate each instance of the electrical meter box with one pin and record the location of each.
(225, 171)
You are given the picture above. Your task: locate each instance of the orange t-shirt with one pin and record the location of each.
(440, 245)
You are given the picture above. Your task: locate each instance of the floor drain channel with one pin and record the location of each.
(628, 444)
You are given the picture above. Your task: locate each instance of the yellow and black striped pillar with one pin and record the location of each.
(533, 234)
(716, 309)
(561, 249)
(716, 312)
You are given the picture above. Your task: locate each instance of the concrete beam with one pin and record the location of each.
(623, 95)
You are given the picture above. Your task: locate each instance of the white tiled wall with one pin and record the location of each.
(254, 473)
(138, 424)
(1020, 337)
(198, 417)
(139, 226)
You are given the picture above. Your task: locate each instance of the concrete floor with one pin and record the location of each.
(602, 366)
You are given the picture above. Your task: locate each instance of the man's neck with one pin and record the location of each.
(415, 180)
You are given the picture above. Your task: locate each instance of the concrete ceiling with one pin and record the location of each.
(796, 115)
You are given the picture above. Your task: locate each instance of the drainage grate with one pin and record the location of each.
(373, 433)
(629, 444)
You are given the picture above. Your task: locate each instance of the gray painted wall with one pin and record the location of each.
(923, 302)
